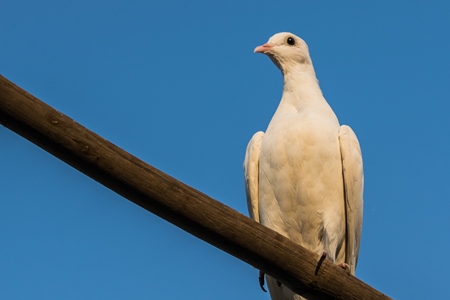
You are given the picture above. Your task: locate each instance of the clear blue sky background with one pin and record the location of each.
(177, 84)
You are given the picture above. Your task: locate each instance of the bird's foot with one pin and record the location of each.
(261, 281)
(345, 266)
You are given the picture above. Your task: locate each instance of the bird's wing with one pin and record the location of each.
(251, 171)
(352, 169)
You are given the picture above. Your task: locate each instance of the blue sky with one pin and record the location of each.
(176, 83)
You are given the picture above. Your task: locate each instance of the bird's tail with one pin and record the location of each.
(280, 292)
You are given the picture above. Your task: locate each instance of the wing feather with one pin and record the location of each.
(251, 171)
(352, 169)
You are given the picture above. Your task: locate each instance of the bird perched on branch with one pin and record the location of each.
(304, 175)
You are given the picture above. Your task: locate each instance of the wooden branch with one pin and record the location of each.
(174, 201)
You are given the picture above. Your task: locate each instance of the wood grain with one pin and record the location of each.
(176, 202)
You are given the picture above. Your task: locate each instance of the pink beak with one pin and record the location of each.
(264, 48)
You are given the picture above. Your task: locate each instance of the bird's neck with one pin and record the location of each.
(301, 89)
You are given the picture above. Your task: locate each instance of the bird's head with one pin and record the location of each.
(287, 51)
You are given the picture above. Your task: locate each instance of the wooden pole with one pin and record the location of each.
(174, 201)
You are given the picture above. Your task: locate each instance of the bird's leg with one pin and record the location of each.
(261, 281)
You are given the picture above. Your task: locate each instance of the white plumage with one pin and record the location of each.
(304, 175)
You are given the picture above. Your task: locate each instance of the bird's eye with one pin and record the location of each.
(291, 41)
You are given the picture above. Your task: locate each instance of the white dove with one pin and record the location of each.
(304, 176)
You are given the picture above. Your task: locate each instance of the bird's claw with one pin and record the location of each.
(345, 266)
(261, 281)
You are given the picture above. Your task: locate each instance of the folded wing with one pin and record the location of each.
(251, 171)
(352, 169)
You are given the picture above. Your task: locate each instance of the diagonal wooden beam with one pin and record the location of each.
(174, 201)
